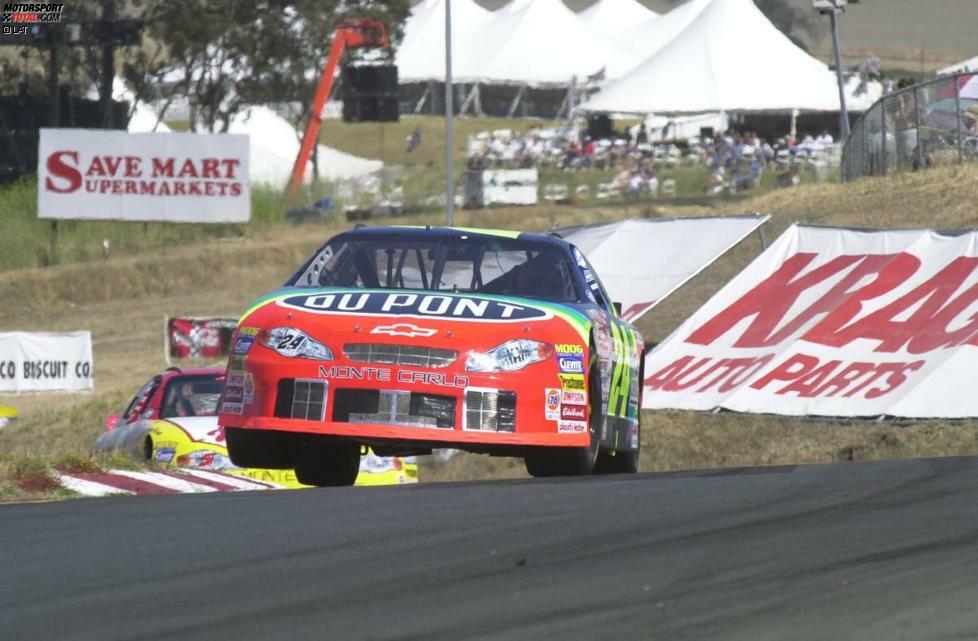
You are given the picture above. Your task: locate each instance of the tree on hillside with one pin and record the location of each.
(790, 20)
(224, 54)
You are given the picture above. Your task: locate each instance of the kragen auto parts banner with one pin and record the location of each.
(191, 178)
(833, 322)
(46, 362)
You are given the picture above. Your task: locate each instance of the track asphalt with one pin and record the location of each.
(861, 551)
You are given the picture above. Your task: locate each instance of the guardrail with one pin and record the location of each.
(929, 124)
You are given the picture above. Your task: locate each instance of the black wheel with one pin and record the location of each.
(574, 461)
(612, 462)
(327, 463)
(267, 449)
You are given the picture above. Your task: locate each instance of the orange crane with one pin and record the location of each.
(360, 33)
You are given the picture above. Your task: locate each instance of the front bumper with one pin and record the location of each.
(395, 404)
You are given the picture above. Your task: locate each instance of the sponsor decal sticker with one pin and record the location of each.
(384, 374)
(571, 427)
(579, 257)
(419, 305)
(248, 331)
(569, 349)
(233, 394)
(572, 382)
(571, 364)
(232, 408)
(249, 388)
(404, 329)
(164, 454)
(243, 344)
(553, 404)
(574, 398)
(235, 380)
(236, 364)
(573, 412)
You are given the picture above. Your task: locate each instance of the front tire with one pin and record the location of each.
(330, 463)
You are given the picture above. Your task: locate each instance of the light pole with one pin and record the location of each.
(834, 8)
(449, 114)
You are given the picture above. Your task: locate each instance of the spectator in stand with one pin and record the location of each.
(587, 152)
(873, 67)
(642, 136)
(789, 178)
(649, 179)
(533, 152)
(825, 139)
(496, 147)
(477, 162)
(414, 140)
(572, 156)
(751, 179)
(716, 181)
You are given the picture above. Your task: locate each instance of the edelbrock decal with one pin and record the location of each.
(416, 305)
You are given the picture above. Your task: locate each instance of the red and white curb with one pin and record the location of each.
(177, 482)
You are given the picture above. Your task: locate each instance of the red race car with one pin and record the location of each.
(407, 339)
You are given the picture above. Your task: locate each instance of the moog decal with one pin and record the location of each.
(417, 305)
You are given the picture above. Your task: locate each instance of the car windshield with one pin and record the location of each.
(502, 266)
(191, 396)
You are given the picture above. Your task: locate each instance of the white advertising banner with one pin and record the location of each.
(640, 262)
(92, 174)
(46, 362)
(510, 186)
(833, 322)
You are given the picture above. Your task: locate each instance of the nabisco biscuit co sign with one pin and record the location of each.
(833, 322)
(96, 174)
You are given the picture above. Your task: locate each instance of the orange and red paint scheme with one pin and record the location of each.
(408, 339)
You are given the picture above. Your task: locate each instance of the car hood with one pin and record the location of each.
(457, 308)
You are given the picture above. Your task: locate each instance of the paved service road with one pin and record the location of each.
(856, 551)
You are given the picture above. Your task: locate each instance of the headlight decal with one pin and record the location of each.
(294, 343)
(510, 356)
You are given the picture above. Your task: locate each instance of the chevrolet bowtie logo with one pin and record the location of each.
(404, 329)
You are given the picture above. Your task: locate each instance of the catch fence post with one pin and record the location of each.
(919, 153)
(957, 119)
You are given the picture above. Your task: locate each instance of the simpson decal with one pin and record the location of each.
(416, 305)
(574, 398)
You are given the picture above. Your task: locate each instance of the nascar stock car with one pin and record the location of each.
(172, 420)
(412, 338)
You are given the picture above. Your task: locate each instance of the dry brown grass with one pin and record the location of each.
(123, 300)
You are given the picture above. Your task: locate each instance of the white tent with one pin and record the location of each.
(542, 43)
(647, 37)
(729, 58)
(421, 56)
(274, 144)
(971, 64)
(612, 18)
